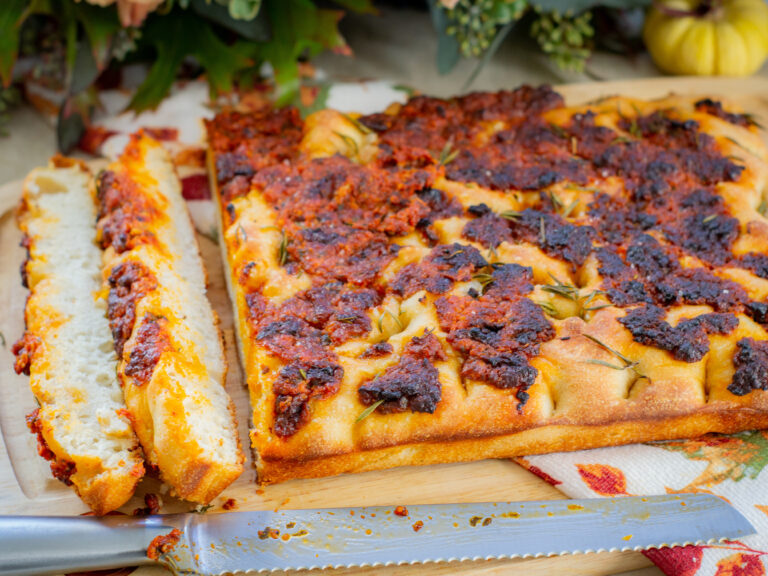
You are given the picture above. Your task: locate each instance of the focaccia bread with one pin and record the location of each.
(171, 359)
(82, 425)
(493, 275)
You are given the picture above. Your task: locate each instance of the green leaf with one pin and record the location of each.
(448, 53)
(359, 6)
(11, 17)
(180, 35)
(298, 28)
(100, 25)
(69, 126)
(84, 70)
(256, 29)
(170, 55)
(244, 9)
(221, 62)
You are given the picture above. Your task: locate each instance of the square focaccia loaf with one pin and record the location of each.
(493, 275)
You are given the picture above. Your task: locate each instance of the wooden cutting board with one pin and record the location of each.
(26, 486)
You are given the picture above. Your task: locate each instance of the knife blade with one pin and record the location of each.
(263, 541)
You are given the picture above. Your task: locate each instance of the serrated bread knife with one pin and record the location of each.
(213, 544)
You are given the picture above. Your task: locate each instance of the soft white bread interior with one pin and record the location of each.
(181, 411)
(83, 426)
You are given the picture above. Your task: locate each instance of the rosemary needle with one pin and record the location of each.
(368, 411)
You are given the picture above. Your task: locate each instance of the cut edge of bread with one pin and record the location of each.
(192, 434)
(82, 418)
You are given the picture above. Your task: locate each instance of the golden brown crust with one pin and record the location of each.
(172, 364)
(641, 314)
(541, 440)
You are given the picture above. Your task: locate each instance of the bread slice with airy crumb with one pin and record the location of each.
(172, 362)
(82, 425)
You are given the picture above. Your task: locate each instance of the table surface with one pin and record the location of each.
(397, 45)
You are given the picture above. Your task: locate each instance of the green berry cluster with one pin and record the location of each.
(565, 37)
(474, 23)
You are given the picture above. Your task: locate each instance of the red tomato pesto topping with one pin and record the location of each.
(339, 219)
(61, 469)
(123, 212)
(163, 544)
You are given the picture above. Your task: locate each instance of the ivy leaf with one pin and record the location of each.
(84, 70)
(100, 25)
(71, 122)
(298, 28)
(359, 6)
(170, 55)
(176, 37)
(11, 17)
(256, 29)
(221, 61)
(447, 46)
(244, 9)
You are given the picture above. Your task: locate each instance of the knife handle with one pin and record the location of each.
(47, 545)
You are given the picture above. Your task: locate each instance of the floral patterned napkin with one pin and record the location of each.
(734, 468)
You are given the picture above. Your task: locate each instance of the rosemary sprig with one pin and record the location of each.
(547, 307)
(511, 215)
(303, 373)
(628, 364)
(542, 232)
(493, 255)
(346, 319)
(357, 124)
(241, 234)
(201, 508)
(398, 322)
(561, 289)
(573, 294)
(634, 129)
(282, 253)
(709, 218)
(593, 308)
(484, 279)
(607, 348)
(751, 119)
(572, 186)
(2, 339)
(558, 130)
(447, 154)
(762, 207)
(570, 208)
(349, 141)
(606, 364)
(621, 140)
(557, 204)
(739, 144)
(368, 411)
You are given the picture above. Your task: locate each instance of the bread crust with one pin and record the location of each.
(596, 384)
(81, 424)
(172, 362)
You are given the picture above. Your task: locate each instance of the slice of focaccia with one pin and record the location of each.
(171, 359)
(82, 425)
(493, 275)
